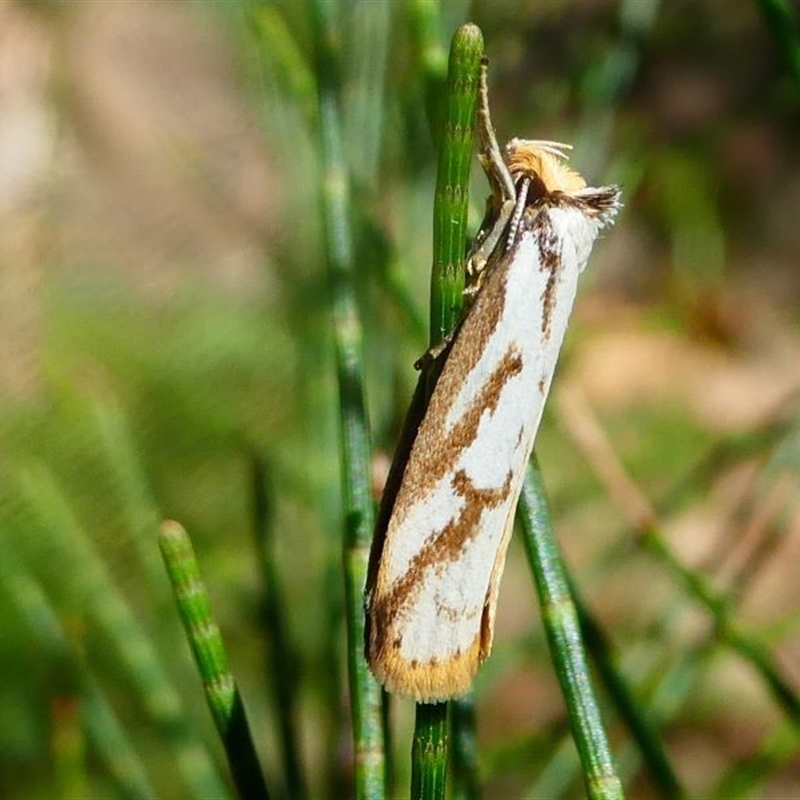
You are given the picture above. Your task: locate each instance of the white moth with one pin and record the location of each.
(442, 534)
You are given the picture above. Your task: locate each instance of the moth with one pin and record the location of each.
(448, 509)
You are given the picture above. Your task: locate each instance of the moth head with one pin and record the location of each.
(545, 163)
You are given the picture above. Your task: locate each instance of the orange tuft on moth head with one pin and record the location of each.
(543, 160)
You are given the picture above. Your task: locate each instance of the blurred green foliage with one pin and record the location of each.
(158, 331)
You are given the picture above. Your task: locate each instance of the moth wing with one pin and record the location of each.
(432, 596)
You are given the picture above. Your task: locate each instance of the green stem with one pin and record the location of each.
(563, 634)
(429, 752)
(781, 19)
(426, 18)
(276, 42)
(641, 726)
(451, 203)
(283, 667)
(68, 746)
(60, 538)
(359, 516)
(745, 776)
(208, 649)
(466, 783)
(105, 733)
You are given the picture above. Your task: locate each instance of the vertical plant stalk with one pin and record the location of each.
(203, 634)
(359, 515)
(747, 777)
(641, 725)
(429, 751)
(104, 732)
(283, 671)
(279, 46)
(59, 538)
(110, 739)
(781, 18)
(425, 17)
(451, 203)
(68, 745)
(563, 634)
(466, 783)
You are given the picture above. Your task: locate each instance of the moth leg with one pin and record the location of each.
(500, 204)
(433, 354)
(519, 209)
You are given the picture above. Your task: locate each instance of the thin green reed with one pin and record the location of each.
(640, 721)
(61, 539)
(782, 19)
(359, 515)
(566, 647)
(451, 204)
(464, 749)
(202, 631)
(105, 733)
(431, 56)
(283, 672)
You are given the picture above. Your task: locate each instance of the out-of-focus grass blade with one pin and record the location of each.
(283, 672)
(57, 543)
(104, 732)
(781, 17)
(566, 647)
(359, 513)
(203, 634)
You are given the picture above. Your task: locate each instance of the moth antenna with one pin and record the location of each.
(500, 204)
(490, 156)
